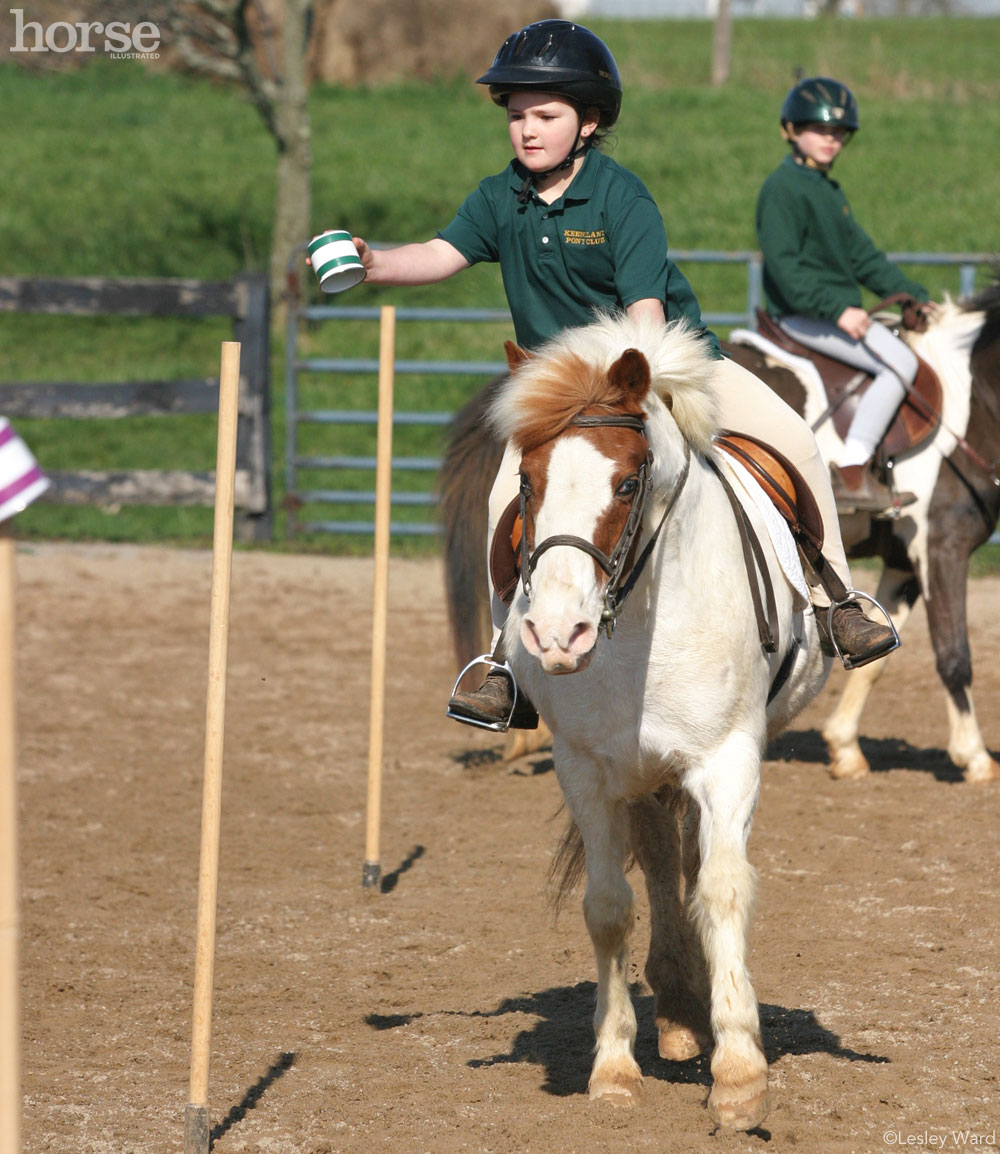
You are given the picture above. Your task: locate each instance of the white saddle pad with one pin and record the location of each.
(748, 492)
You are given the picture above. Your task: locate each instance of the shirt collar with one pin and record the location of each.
(582, 187)
(816, 173)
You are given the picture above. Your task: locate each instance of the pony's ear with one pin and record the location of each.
(630, 375)
(515, 355)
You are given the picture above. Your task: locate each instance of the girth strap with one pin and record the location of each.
(753, 556)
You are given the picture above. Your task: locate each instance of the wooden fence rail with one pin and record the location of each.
(246, 300)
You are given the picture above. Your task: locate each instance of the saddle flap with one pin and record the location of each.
(919, 415)
(505, 552)
(780, 480)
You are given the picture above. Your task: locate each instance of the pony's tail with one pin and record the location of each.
(569, 864)
(567, 867)
(468, 468)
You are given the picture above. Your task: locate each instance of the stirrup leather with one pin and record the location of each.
(502, 667)
(848, 661)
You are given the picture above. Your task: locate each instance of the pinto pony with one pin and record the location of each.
(925, 551)
(955, 474)
(634, 633)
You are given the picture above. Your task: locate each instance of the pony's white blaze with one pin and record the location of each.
(561, 624)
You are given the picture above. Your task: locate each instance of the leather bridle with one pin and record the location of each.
(614, 564)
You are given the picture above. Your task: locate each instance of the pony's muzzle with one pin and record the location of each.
(565, 646)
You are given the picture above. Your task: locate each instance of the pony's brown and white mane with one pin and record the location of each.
(569, 375)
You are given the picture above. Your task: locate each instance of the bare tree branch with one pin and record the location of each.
(214, 37)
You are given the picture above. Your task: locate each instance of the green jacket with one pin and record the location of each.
(816, 256)
(601, 244)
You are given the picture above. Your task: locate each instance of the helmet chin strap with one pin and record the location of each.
(578, 149)
(800, 156)
(808, 162)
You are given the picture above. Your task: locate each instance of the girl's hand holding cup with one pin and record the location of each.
(336, 261)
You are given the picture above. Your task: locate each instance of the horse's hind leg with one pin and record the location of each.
(522, 742)
(675, 968)
(725, 788)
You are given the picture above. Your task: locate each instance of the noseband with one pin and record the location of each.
(613, 564)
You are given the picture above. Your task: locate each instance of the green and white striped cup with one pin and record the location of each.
(335, 261)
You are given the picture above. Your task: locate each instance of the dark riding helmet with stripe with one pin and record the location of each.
(561, 57)
(820, 100)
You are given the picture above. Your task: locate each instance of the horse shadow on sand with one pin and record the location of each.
(804, 745)
(559, 1039)
(883, 754)
(479, 762)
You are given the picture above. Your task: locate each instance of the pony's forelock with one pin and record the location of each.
(568, 374)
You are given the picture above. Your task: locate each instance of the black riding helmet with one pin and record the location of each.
(561, 57)
(820, 100)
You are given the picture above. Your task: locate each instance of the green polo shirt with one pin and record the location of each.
(601, 244)
(816, 256)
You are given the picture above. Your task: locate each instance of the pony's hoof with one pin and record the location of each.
(981, 770)
(679, 1044)
(848, 765)
(739, 1107)
(618, 1084)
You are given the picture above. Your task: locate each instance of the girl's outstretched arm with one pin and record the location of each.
(410, 264)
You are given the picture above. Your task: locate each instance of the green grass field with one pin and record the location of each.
(113, 171)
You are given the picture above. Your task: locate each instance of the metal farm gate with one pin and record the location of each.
(351, 471)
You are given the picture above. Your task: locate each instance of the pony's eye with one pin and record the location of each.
(525, 485)
(628, 487)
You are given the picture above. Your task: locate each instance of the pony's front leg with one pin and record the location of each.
(896, 591)
(726, 788)
(608, 912)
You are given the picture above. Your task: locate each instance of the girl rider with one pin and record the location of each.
(573, 231)
(816, 257)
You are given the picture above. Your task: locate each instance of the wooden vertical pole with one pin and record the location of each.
(372, 870)
(10, 1067)
(196, 1129)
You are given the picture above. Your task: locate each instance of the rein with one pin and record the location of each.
(929, 411)
(753, 558)
(613, 565)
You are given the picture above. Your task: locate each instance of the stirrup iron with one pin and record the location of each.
(503, 667)
(857, 595)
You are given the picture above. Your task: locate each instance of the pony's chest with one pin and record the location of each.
(643, 730)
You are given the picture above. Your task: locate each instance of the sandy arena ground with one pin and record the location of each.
(448, 1012)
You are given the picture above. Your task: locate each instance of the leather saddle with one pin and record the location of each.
(775, 474)
(918, 416)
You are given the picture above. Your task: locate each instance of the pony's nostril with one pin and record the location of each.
(529, 637)
(582, 638)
